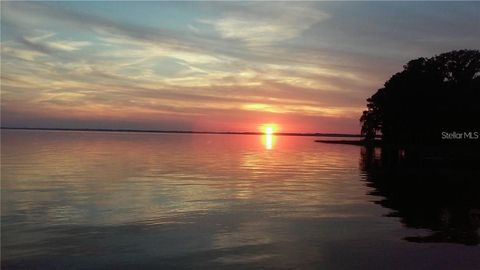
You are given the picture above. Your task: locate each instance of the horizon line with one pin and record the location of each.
(312, 134)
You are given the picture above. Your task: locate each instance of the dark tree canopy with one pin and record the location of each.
(430, 96)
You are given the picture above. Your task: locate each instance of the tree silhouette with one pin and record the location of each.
(430, 96)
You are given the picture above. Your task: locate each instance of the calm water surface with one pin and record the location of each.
(93, 200)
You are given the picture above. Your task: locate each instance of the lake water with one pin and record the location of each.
(106, 200)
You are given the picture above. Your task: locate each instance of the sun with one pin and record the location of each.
(269, 129)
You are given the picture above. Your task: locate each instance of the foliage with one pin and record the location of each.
(430, 96)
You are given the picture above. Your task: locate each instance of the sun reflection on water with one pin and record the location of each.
(268, 141)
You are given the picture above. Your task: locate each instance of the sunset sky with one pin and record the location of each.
(219, 66)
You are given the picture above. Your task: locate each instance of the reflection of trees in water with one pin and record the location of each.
(443, 200)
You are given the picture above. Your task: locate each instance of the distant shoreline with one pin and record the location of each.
(187, 132)
(350, 142)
